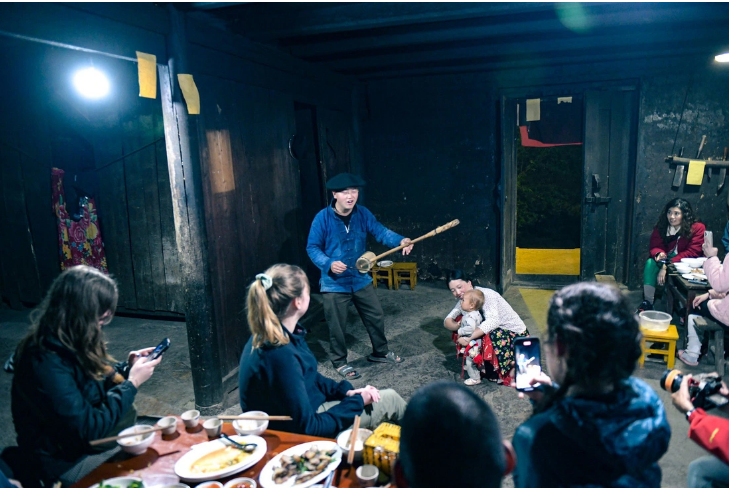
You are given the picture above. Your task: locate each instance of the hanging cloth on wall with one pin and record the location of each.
(78, 242)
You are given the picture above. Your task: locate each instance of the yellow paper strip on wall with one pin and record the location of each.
(696, 172)
(565, 100)
(190, 92)
(533, 110)
(147, 71)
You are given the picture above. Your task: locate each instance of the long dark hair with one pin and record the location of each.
(71, 313)
(688, 219)
(266, 306)
(594, 322)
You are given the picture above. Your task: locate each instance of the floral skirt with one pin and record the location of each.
(503, 345)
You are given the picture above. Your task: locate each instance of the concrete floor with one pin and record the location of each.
(414, 326)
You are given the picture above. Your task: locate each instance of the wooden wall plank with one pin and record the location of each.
(115, 231)
(173, 277)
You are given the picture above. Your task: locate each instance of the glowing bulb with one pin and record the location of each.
(91, 83)
(723, 58)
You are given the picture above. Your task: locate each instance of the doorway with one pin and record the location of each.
(573, 189)
(549, 160)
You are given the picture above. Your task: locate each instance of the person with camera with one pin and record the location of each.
(707, 431)
(713, 304)
(676, 235)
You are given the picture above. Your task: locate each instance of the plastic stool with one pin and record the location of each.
(668, 336)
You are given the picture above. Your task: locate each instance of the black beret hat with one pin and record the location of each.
(344, 180)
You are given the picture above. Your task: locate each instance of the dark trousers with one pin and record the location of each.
(368, 306)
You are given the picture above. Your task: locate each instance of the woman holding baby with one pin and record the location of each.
(494, 332)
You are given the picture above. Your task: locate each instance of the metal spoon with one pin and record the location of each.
(243, 447)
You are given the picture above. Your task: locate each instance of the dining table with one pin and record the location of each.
(165, 450)
(680, 293)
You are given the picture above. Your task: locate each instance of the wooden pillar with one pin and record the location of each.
(183, 163)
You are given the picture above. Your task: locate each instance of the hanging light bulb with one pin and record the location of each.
(91, 83)
(723, 58)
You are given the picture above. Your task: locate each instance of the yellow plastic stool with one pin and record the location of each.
(669, 336)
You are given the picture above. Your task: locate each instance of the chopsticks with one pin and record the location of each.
(253, 417)
(353, 438)
(130, 434)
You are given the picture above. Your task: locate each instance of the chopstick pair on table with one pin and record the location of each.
(253, 417)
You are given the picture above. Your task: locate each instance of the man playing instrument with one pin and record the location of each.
(336, 240)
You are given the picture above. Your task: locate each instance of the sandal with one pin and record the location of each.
(388, 358)
(681, 355)
(348, 372)
(471, 382)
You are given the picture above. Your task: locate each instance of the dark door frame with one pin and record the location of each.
(508, 180)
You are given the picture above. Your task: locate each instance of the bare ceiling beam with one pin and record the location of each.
(586, 65)
(713, 35)
(606, 16)
(213, 5)
(264, 22)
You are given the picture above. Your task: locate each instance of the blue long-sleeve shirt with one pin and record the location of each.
(284, 380)
(329, 241)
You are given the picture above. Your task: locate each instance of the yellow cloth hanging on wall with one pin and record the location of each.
(696, 172)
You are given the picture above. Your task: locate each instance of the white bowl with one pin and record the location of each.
(121, 482)
(654, 320)
(343, 440)
(682, 268)
(694, 262)
(237, 481)
(251, 427)
(210, 484)
(138, 444)
(190, 418)
(168, 424)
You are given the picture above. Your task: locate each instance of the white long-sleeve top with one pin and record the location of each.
(496, 311)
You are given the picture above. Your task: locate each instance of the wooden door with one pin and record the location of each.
(508, 192)
(607, 175)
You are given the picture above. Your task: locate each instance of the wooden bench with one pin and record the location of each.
(379, 273)
(717, 332)
(407, 272)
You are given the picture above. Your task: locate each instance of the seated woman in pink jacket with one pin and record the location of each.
(712, 304)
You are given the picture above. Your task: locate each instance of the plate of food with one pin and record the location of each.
(219, 458)
(301, 466)
(694, 276)
(121, 482)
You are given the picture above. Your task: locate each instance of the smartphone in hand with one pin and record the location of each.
(708, 238)
(161, 347)
(527, 357)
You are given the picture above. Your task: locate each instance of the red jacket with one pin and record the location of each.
(710, 432)
(686, 248)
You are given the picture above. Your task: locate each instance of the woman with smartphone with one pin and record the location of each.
(67, 390)
(713, 304)
(593, 423)
(676, 235)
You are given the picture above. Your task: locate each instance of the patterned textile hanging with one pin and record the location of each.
(78, 242)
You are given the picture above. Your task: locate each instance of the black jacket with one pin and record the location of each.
(58, 408)
(284, 381)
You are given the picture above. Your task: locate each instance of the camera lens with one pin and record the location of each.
(671, 380)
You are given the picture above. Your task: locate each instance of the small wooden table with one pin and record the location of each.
(161, 456)
(681, 293)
